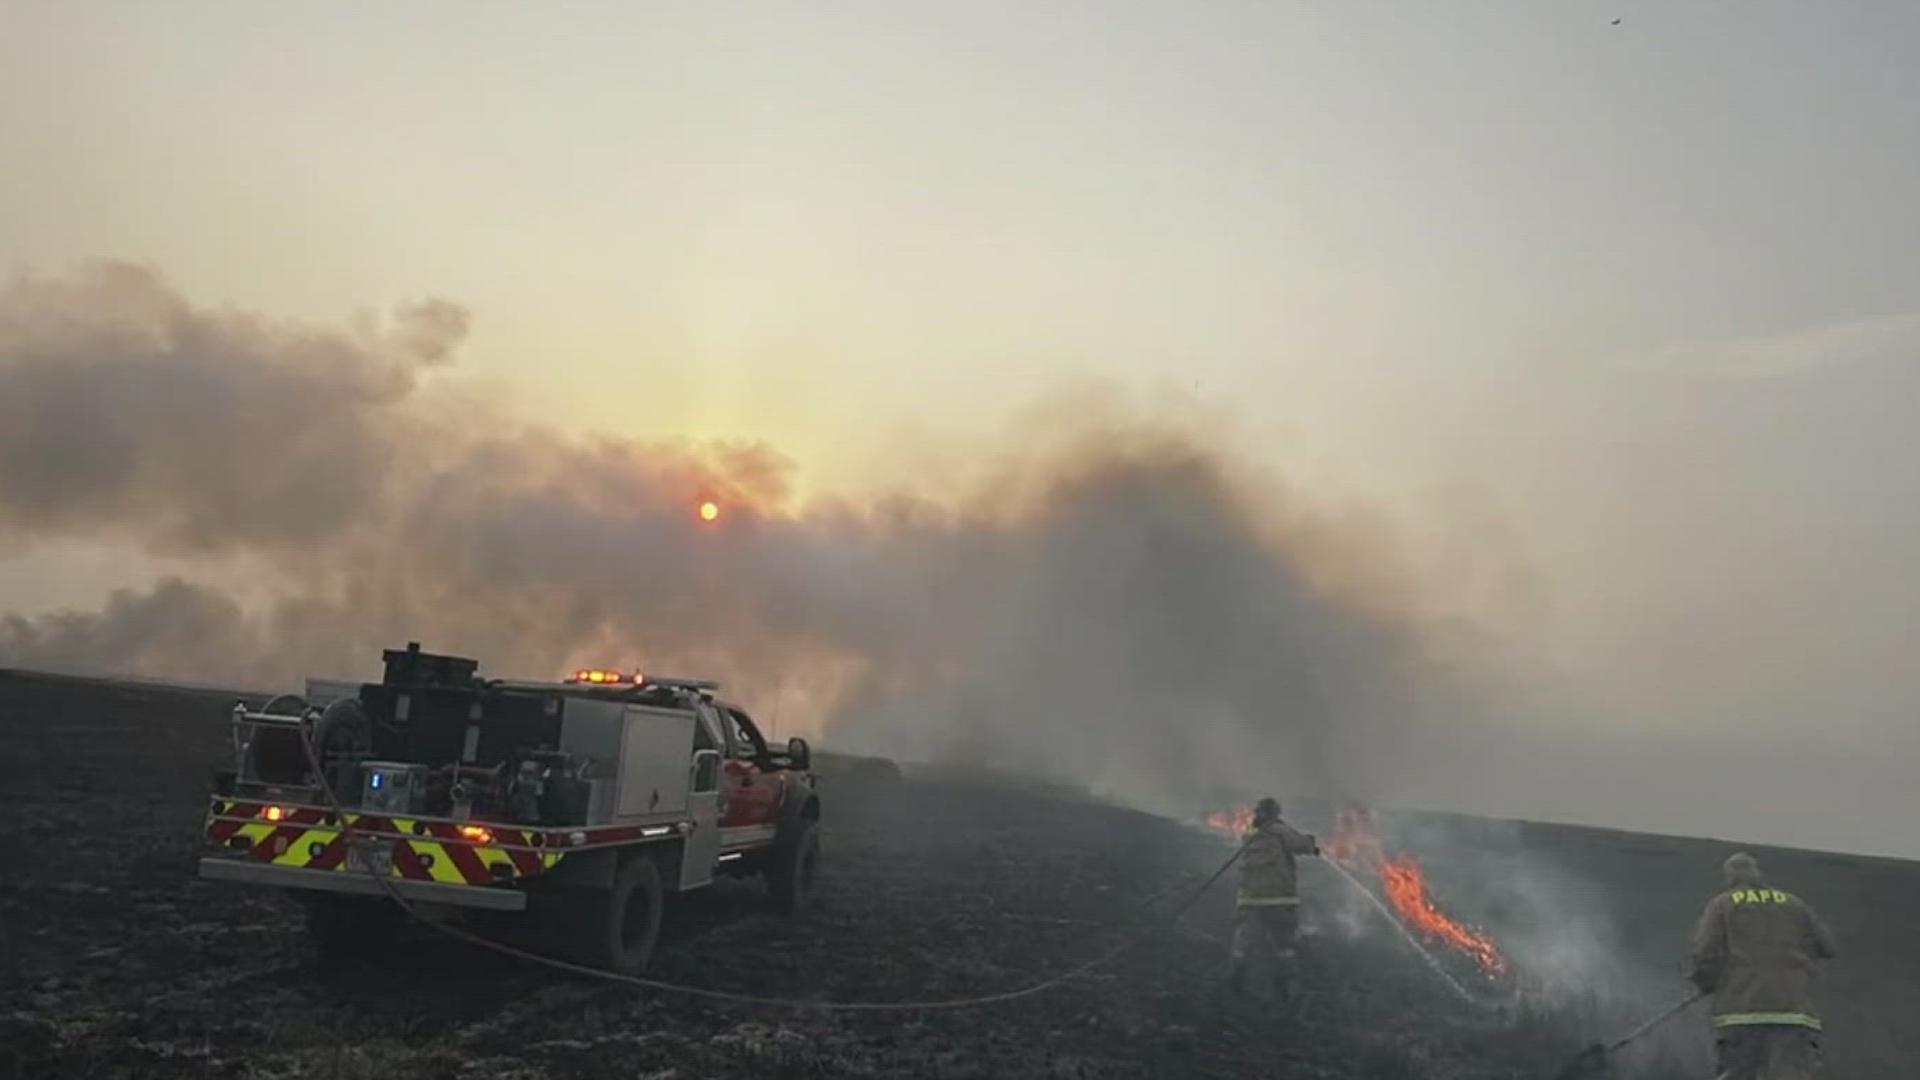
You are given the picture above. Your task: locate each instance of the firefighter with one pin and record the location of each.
(1755, 950)
(1267, 911)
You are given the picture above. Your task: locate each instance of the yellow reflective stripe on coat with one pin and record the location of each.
(1745, 1019)
(1243, 900)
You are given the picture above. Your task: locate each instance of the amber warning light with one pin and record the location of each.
(602, 677)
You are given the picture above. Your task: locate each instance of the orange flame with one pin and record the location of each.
(1234, 822)
(1356, 844)
(1406, 888)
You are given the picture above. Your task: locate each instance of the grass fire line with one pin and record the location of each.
(1433, 962)
(1356, 843)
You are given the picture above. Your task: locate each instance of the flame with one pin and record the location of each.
(1356, 844)
(1406, 888)
(1234, 822)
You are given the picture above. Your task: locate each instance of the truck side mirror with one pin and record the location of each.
(799, 753)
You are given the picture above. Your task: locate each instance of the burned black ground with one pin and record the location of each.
(116, 962)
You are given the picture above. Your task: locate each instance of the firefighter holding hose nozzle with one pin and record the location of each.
(1755, 950)
(1267, 911)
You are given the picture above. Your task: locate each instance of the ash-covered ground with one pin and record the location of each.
(115, 961)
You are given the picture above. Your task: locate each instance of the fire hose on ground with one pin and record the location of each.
(392, 893)
(1594, 1058)
(1589, 1060)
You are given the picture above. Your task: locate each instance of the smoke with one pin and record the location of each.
(168, 630)
(1124, 604)
(1552, 901)
(128, 414)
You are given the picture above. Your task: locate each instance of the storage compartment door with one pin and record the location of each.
(703, 806)
(654, 751)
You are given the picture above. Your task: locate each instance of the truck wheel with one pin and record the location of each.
(790, 874)
(624, 922)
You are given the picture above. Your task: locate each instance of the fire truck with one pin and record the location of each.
(580, 804)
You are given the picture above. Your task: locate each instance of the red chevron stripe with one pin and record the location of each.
(263, 849)
(219, 831)
(332, 855)
(408, 862)
(460, 851)
(370, 826)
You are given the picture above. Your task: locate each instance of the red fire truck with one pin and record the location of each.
(580, 802)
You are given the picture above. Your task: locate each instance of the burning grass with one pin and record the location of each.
(1357, 846)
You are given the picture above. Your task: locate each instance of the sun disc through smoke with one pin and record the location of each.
(709, 511)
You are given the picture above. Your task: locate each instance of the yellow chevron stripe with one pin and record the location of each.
(493, 856)
(442, 868)
(296, 853)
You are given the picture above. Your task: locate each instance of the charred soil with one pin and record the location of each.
(115, 961)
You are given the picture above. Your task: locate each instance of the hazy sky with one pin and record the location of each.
(1618, 326)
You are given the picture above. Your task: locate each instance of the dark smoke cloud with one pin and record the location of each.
(126, 413)
(171, 630)
(1123, 607)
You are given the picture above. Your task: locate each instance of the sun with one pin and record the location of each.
(709, 511)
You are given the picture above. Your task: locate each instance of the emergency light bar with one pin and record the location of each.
(605, 677)
(602, 677)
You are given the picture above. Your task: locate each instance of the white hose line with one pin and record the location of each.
(392, 892)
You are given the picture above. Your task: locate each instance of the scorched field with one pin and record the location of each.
(115, 961)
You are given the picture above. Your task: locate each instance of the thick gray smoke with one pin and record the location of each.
(128, 414)
(1126, 609)
(1577, 962)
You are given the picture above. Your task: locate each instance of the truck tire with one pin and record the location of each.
(623, 923)
(791, 867)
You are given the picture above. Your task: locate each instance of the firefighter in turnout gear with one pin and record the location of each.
(1755, 950)
(1267, 911)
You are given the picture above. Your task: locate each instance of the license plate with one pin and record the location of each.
(364, 857)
